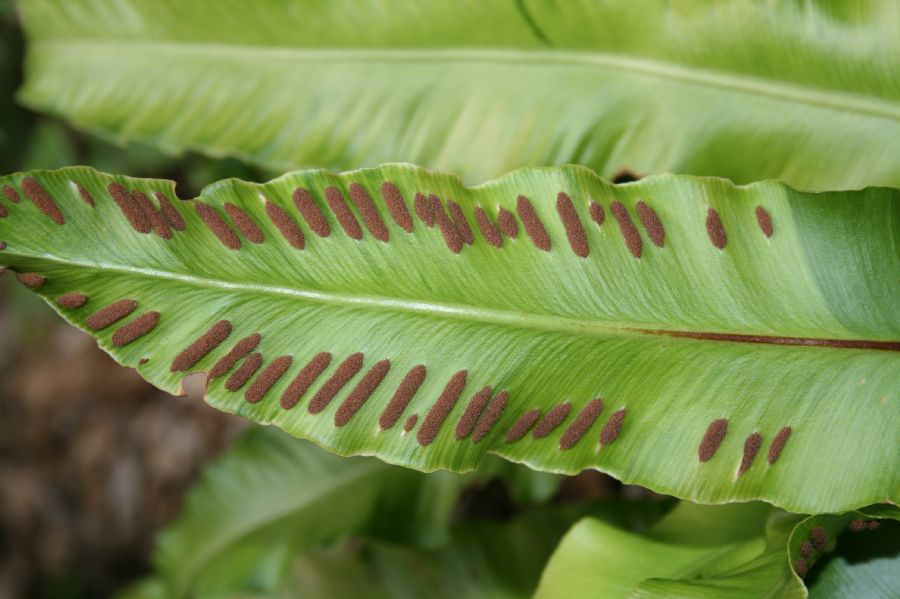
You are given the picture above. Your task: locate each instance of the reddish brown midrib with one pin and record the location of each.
(774, 340)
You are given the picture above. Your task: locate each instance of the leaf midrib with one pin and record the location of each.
(465, 312)
(521, 320)
(813, 96)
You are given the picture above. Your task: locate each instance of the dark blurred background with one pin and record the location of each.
(93, 460)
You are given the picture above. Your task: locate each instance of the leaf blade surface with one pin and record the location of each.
(774, 334)
(483, 88)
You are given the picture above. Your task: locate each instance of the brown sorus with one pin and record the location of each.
(778, 444)
(110, 314)
(582, 423)
(35, 192)
(521, 426)
(369, 212)
(460, 222)
(806, 549)
(169, 212)
(143, 361)
(533, 225)
(346, 371)
(424, 210)
(265, 381)
(490, 416)
(473, 410)
(873, 524)
(598, 214)
(311, 213)
(711, 440)
(451, 235)
(85, 196)
(764, 221)
(247, 369)
(435, 417)
(361, 392)
(342, 213)
(70, 301)
(3, 245)
(612, 428)
(551, 420)
(508, 223)
(240, 349)
(801, 568)
(819, 538)
(577, 238)
(402, 396)
(31, 279)
(135, 216)
(410, 423)
(11, 194)
(135, 329)
(751, 447)
(854, 526)
(629, 232)
(3, 212)
(219, 227)
(285, 225)
(715, 230)
(204, 344)
(304, 380)
(488, 229)
(396, 206)
(244, 223)
(652, 224)
(157, 221)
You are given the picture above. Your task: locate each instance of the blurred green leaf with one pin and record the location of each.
(484, 561)
(272, 497)
(703, 552)
(804, 91)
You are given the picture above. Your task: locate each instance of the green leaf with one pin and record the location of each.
(484, 560)
(699, 552)
(719, 322)
(864, 566)
(272, 497)
(802, 91)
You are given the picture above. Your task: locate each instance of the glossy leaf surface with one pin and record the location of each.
(713, 342)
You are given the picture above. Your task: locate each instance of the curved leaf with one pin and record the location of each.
(759, 324)
(272, 497)
(697, 552)
(483, 560)
(802, 91)
(864, 566)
